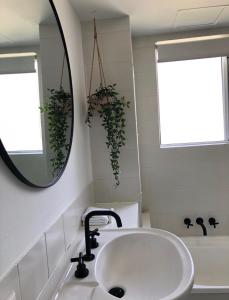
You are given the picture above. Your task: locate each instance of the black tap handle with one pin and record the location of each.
(74, 259)
(212, 222)
(81, 270)
(94, 232)
(188, 222)
(79, 259)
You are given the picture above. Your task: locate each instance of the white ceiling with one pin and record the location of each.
(19, 21)
(156, 16)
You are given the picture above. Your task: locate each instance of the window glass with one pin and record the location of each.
(191, 101)
(19, 99)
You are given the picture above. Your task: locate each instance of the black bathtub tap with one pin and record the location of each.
(188, 222)
(212, 222)
(200, 222)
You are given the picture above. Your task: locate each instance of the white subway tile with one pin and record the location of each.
(144, 60)
(127, 191)
(120, 73)
(129, 163)
(103, 189)
(55, 244)
(149, 133)
(70, 225)
(9, 285)
(145, 84)
(33, 271)
(116, 46)
(143, 42)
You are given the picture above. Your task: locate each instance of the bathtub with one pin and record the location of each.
(211, 262)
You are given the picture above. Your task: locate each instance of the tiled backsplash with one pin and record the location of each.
(10, 285)
(37, 273)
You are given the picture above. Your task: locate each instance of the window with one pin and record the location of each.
(192, 102)
(20, 121)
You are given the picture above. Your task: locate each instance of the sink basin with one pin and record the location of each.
(145, 265)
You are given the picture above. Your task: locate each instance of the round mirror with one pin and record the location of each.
(36, 116)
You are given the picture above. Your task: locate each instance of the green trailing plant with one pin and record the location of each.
(110, 107)
(58, 108)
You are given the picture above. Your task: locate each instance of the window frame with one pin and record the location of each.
(225, 93)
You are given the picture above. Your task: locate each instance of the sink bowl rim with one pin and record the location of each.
(175, 240)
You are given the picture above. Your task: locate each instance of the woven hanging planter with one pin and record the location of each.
(110, 106)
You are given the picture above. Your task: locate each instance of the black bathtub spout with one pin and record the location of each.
(200, 222)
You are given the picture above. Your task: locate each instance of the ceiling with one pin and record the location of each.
(157, 16)
(19, 21)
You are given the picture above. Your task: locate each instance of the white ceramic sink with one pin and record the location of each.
(150, 264)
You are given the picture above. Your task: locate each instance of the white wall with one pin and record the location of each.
(116, 50)
(25, 213)
(176, 182)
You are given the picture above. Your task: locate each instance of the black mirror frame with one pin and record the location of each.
(3, 152)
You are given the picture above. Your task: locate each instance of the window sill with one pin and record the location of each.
(31, 152)
(190, 145)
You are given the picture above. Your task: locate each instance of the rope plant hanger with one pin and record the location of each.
(110, 107)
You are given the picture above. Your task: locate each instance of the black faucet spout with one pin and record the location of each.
(103, 213)
(89, 256)
(200, 222)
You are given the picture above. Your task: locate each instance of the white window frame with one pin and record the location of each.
(225, 86)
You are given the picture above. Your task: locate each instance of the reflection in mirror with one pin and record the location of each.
(35, 92)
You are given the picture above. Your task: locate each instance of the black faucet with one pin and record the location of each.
(200, 222)
(90, 256)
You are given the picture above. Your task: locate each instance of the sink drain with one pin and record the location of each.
(117, 292)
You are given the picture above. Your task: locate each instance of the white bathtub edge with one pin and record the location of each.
(207, 289)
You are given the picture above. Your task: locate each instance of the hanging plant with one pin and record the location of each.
(111, 108)
(58, 108)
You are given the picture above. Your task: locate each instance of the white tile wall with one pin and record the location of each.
(39, 271)
(128, 191)
(70, 225)
(116, 49)
(55, 244)
(127, 168)
(10, 285)
(144, 84)
(115, 46)
(103, 189)
(176, 182)
(101, 169)
(33, 271)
